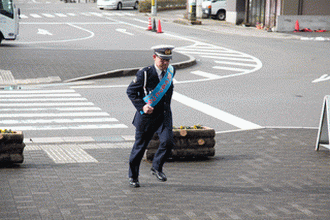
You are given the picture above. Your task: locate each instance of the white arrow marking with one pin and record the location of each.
(322, 78)
(44, 32)
(123, 31)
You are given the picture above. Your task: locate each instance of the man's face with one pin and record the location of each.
(161, 63)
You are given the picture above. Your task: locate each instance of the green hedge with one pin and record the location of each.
(145, 6)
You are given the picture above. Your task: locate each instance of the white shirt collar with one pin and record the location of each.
(159, 72)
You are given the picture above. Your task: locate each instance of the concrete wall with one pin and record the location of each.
(288, 22)
(235, 11)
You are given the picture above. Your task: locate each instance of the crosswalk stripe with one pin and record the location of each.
(205, 74)
(39, 115)
(96, 14)
(43, 99)
(31, 110)
(66, 127)
(37, 91)
(48, 15)
(61, 15)
(57, 121)
(51, 109)
(229, 68)
(88, 14)
(45, 104)
(40, 95)
(35, 15)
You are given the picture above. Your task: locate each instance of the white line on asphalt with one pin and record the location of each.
(48, 15)
(43, 99)
(35, 16)
(123, 31)
(142, 21)
(229, 68)
(37, 91)
(65, 127)
(46, 104)
(228, 58)
(58, 121)
(236, 64)
(214, 112)
(218, 54)
(205, 74)
(63, 109)
(40, 95)
(61, 15)
(41, 115)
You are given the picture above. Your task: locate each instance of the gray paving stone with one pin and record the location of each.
(258, 174)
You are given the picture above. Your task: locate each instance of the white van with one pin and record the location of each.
(214, 8)
(117, 4)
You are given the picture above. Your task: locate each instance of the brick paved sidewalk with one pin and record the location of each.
(256, 174)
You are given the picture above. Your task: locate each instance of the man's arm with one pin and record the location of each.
(135, 91)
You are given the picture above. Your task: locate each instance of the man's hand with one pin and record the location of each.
(147, 109)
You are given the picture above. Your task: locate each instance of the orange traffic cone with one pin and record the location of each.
(296, 28)
(149, 25)
(159, 30)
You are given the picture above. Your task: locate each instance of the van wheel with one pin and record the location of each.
(119, 6)
(136, 5)
(221, 15)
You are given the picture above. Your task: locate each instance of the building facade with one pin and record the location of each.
(280, 15)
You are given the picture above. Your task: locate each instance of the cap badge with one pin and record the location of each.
(168, 52)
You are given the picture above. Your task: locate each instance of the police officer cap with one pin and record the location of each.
(163, 51)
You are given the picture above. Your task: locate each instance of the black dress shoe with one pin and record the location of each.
(134, 183)
(160, 175)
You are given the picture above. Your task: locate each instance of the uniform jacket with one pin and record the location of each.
(162, 111)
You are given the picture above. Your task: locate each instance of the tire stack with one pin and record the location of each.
(189, 143)
(11, 147)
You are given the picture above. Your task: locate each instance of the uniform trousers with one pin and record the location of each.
(142, 139)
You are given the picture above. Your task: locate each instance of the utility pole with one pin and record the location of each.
(154, 7)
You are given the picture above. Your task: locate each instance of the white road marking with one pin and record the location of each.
(235, 63)
(123, 31)
(324, 77)
(229, 68)
(228, 58)
(61, 15)
(65, 127)
(35, 15)
(205, 74)
(61, 109)
(48, 15)
(44, 32)
(214, 112)
(41, 115)
(46, 104)
(38, 110)
(58, 121)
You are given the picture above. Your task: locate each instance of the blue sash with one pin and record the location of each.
(157, 94)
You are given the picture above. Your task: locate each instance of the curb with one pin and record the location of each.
(130, 71)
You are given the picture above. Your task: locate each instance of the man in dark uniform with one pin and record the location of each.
(150, 119)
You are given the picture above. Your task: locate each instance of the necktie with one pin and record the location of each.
(163, 74)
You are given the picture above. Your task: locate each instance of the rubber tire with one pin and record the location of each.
(119, 6)
(136, 5)
(221, 15)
